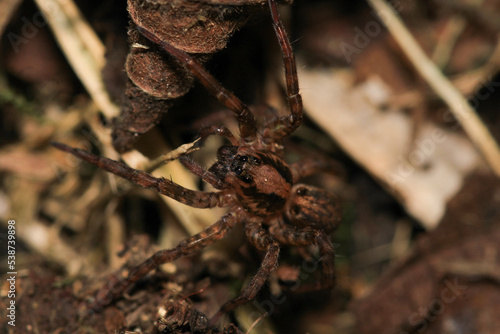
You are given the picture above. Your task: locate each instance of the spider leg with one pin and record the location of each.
(315, 164)
(304, 237)
(115, 287)
(262, 240)
(286, 125)
(218, 130)
(197, 199)
(198, 170)
(246, 120)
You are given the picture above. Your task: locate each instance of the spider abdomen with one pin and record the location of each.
(308, 206)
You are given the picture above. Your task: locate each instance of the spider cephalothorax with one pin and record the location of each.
(261, 180)
(260, 190)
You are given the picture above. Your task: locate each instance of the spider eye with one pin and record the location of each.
(238, 170)
(246, 178)
(302, 191)
(242, 158)
(256, 161)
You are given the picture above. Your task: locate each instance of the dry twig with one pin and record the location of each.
(457, 103)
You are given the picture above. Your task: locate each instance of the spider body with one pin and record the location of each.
(260, 190)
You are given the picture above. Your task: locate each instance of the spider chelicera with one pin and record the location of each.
(253, 181)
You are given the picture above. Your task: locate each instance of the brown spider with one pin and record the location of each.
(257, 186)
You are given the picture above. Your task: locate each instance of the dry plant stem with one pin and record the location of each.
(457, 103)
(444, 47)
(467, 83)
(473, 10)
(172, 155)
(7, 8)
(470, 81)
(453, 30)
(85, 53)
(82, 48)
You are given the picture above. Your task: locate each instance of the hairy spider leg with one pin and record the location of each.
(286, 125)
(218, 130)
(194, 198)
(198, 170)
(262, 240)
(116, 288)
(246, 120)
(290, 235)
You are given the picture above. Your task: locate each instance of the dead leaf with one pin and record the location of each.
(422, 174)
